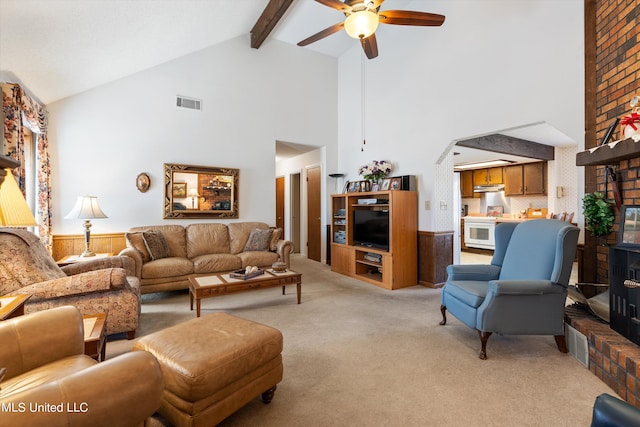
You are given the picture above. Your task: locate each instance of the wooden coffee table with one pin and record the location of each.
(213, 285)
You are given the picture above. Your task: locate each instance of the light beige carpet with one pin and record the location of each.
(358, 355)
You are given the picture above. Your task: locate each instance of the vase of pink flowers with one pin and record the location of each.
(375, 171)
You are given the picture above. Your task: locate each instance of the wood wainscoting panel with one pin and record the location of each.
(435, 253)
(73, 244)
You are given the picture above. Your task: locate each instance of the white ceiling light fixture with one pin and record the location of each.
(485, 164)
(361, 24)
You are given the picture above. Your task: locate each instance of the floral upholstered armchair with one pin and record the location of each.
(97, 286)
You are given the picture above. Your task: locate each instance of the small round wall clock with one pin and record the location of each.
(143, 182)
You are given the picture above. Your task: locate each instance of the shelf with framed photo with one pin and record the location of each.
(404, 182)
(359, 187)
(396, 183)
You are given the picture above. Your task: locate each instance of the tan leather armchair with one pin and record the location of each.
(49, 381)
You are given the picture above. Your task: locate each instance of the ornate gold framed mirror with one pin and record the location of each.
(200, 191)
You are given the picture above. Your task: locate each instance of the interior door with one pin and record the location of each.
(294, 190)
(314, 245)
(280, 203)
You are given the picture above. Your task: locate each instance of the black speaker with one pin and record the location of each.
(408, 182)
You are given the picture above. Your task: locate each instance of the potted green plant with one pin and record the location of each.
(598, 214)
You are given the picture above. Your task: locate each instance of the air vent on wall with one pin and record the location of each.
(577, 344)
(190, 103)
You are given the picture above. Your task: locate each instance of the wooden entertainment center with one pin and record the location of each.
(398, 266)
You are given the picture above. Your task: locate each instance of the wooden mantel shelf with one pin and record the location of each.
(6, 162)
(608, 154)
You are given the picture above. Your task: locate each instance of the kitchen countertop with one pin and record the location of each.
(479, 218)
(515, 219)
(497, 219)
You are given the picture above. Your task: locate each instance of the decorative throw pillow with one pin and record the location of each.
(275, 236)
(258, 240)
(156, 244)
(137, 242)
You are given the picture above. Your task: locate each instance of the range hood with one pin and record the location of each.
(488, 188)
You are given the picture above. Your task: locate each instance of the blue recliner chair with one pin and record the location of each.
(523, 290)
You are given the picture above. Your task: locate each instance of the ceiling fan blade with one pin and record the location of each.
(408, 17)
(370, 46)
(336, 4)
(322, 34)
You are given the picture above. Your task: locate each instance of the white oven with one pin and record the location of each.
(479, 232)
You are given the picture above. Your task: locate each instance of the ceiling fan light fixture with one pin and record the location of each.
(361, 24)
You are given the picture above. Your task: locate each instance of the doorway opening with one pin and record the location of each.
(300, 168)
(531, 143)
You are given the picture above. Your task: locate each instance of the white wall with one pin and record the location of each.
(102, 139)
(494, 64)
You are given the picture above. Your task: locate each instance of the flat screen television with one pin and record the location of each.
(371, 228)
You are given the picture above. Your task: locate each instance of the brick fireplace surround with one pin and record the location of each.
(612, 358)
(612, 70)
(612, 78)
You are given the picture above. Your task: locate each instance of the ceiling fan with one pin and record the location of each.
(363, 17)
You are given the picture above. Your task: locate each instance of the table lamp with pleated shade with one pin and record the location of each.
(14, 211)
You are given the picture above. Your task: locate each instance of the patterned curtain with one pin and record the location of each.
(20, 111)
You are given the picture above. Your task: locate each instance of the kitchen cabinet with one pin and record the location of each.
(535, 177)
(513, 180)
(488, 176)
(462, 244)
(526, 179)
(466, 183)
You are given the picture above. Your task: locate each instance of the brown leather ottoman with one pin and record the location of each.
(214, 365)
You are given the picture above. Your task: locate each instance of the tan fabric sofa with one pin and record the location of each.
(105, 285)
(50, 382)
(201, 248)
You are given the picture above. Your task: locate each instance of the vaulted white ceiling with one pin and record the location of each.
(58, 48)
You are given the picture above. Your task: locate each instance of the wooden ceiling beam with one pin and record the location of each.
(268, 21)
(510, 145)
